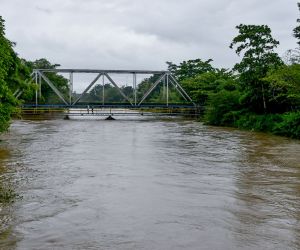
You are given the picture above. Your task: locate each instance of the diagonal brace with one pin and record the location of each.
(59, 94)
(87, 89)
(19, 91)
(152, 88)
(19, 94)
(176, 86)
(178, 90)
(121, 92)
(181, 89)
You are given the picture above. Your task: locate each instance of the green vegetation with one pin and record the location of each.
(7, 195)
(257, 45)
(14, 77)
(8, 64)
(47, 94)
(261, 92)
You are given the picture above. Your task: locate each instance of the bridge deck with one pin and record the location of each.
(112, 105)
(111, 110)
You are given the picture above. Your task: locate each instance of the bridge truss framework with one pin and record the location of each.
(163, 76)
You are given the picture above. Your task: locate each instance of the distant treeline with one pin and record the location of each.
(261, 92)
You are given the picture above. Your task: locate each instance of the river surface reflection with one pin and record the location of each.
(148, 184)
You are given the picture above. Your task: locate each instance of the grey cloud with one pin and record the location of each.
(45, 10)
(140, 33)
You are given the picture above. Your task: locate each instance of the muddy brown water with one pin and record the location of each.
(147, 184)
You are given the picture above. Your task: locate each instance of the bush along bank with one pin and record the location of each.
(286, 124)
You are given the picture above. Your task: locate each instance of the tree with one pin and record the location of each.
(257, 45)
(190, 68)
(284, 88)
(297, 29)
(61, 83)
(201, 86)
(292, 56)
(14, 77)
(221, 107)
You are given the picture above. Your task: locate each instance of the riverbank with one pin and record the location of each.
(286, 124)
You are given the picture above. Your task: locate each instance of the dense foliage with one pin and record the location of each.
(47, 95)
(14, 77)
(257, 45)
(261, 93)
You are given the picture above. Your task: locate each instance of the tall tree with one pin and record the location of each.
(257, 45)
(297, 29)
(190, 68)
(13, 77)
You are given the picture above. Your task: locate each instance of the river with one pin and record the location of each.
(148, 184)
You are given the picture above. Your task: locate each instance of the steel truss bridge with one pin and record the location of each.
(72, 106)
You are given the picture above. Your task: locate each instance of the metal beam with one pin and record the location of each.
(134, 87)
(40, 87)
(152, 88)
(183, 91)
(16, 92)
(70, 87)
(88, 87)
(121, 92)
(19, 91)
(36, 91)
(103, 89)
(52, 87)
(19, 94)
(103, 71)
(167, 76)
(178, 89)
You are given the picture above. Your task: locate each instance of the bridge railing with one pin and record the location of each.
(108, 110)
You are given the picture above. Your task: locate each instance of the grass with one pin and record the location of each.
(7, 195)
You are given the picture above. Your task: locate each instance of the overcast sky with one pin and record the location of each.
(139, 34)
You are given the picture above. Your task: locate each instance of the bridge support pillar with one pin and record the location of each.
(134, 87)
(110, 118)
(167, 94)
(36, 91)
(103, 89)
(70, 87)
